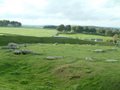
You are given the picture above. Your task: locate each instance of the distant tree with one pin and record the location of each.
(86, 29)
(79, 29)
(92, 30)
(108, 33)
(116, 32)
(89, 30)
(74, 28)
(15, 24)
(61, 28)
(100, 32)
(68, 28)
(7, 23)
(50, 27)
(115, 38)
(1, 23)
(4, 23)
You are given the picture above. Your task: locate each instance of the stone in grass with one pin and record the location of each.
(89, 58)
(112, 60)
(24, 52)
(17, 52)
(99, 50)
(54, 57)
(55, 44)
(12, 46)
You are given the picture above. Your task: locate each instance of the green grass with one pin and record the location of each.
(73, 72)
(87, 36)
(80, 69)
(30, 39)
(36, 35)
(37, 32)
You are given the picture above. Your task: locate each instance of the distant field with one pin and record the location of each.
(38, 32)
(79, 69)
(87, 36)
(82, 66)
(38, 35)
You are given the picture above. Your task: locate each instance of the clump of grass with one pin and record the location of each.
(24, 82)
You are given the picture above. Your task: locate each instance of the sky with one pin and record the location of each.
(54, 12)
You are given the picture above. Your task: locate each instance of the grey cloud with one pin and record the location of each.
(70, 11)
(78, 10)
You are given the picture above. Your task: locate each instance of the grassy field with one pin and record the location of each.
(80, 68)
(87, 36)
(37, 32)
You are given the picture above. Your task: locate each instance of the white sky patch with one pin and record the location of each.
(21, 6)
(97, 3)
(83, 12)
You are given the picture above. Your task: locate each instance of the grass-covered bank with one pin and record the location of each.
(38, 35)
(81, 64)
(7, 38)
(80, 69)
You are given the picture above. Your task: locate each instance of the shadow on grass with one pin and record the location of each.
(7, 38)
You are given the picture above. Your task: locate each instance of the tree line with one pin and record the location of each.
(7, 23)
(88, 30)
(50, 27)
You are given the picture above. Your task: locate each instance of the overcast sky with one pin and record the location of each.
(82, 12)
